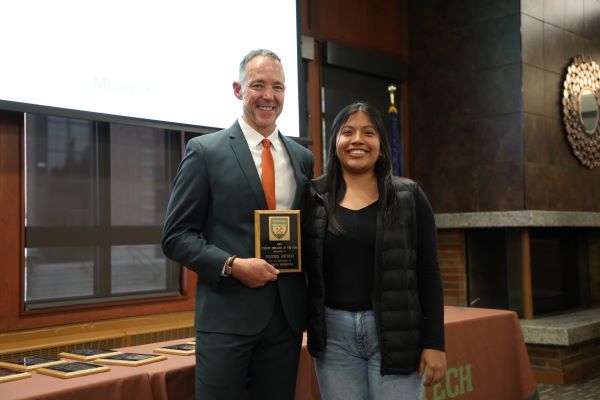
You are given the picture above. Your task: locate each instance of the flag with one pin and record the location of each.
(395, 142)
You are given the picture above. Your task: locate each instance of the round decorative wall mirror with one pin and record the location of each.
(581, 109)
(588, 110)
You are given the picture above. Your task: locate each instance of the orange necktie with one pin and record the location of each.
(268, 174)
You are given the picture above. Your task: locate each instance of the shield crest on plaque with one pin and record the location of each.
(279, 228)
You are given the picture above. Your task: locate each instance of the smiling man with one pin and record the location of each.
(249, 318)
(261, 87)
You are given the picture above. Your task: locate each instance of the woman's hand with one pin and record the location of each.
(435, 361)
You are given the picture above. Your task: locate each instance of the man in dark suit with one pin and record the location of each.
(249, 318)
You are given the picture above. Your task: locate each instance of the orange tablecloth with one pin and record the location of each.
(486, 355)
(487, 359)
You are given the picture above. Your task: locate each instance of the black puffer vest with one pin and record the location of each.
(395, 296)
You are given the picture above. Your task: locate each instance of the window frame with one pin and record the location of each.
(101, 235)
(13, 314)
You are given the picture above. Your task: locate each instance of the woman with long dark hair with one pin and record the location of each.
(376, 326)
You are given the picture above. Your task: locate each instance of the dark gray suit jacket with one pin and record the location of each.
(210, 216)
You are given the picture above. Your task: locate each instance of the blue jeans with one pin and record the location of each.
(349, 368)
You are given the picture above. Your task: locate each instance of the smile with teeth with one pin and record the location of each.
(266, 108)
(357, 152)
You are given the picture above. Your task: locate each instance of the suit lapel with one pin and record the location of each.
(242, 153)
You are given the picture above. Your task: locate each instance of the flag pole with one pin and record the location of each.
(392, 92)
(395, 134)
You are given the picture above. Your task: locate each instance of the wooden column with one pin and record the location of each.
(11, 217)
(526, 274)
(315, 113)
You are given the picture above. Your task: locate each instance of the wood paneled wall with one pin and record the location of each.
(370, 25)
(379, 27)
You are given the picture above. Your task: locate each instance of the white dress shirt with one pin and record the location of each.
(285, 182)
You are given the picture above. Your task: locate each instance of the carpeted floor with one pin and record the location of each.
(585, 389)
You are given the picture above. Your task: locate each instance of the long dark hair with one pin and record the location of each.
(383, 166)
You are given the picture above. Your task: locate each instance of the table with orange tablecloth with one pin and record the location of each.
(120, 383)
(487, 359)
(172, 379)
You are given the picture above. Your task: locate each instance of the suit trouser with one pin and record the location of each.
(264, 364)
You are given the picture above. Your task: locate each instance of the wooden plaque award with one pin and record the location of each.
(182, 349)
(277, 238)
(130, 359)
(88, 354)
(72, 369)
(30, 363)
(7, 375)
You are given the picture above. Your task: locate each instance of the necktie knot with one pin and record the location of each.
(268, 174)
(266, 144)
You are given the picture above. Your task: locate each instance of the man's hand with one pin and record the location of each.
(253, 272)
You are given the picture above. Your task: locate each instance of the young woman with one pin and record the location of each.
(376, 316)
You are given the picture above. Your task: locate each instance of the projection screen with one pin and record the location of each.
(166, 62)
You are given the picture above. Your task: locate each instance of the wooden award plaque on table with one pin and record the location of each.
(72, 369)
(277, 238)
(30, 363)
(183, 349)
(88, 354)
(130, 359)
(7, 375)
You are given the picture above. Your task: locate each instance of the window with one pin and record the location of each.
(95, 197)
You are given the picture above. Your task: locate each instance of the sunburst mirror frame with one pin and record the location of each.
(583, 74)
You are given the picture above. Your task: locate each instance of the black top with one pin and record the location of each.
(349, 261)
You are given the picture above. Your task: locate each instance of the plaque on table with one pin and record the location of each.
(182, 349)
(7, 375)
(277, 238)
(30, 363)
(130, 359)
(72, 369)
(88, 354)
